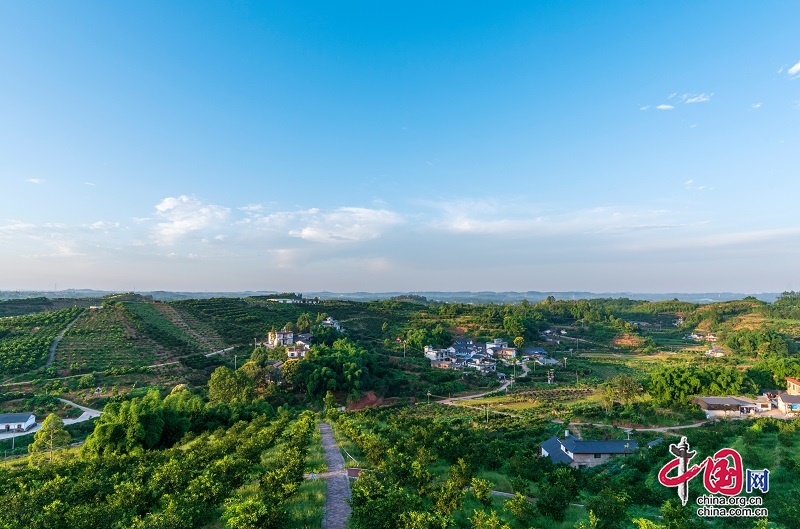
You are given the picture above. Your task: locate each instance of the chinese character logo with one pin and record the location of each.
(723, 473)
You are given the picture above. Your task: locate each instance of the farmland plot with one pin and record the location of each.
(25, 340)
(104, 339)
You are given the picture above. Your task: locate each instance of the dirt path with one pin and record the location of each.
(337, 510)
(58, 339)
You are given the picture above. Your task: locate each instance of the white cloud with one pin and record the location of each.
(343, 224)
(183, 215)
(673, 94)
(715, 240)
(689, 182)
(665, 107)
(755, 105)
(696, 98)
(90, 184)
(252, 208)
(644, 107)
(103, 225)
(794, 70)
(490, 217)
(64, 249)
(36, 181)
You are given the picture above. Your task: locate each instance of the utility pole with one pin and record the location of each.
(234, 362)
(487, 414)
(404, 348)
(429, 396)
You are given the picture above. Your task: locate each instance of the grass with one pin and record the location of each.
(305, 508)
(499, 481)
(315, 459)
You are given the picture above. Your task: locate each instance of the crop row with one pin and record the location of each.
(25, 340)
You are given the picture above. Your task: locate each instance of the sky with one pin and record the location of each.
(400, 146)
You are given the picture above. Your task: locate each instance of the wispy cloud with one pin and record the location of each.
(37, 181)
(696, 98)
(183, 215)
(491, 217)
(718, 240)
(345, 224)
(690, 184)
(794, 70)
(755, 105)
(665, 107)
(103, 225)
(91, 184)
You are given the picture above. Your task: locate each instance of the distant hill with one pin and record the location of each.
(451, 297)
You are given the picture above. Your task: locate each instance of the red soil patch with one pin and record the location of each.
(368, 400)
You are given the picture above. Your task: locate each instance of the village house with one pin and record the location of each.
(740, 405)
(333, 324)
(578, 453)
(789, 401)
(16, 422)
(297, 351)
(282, 337)
(464, 353)
(506, 353)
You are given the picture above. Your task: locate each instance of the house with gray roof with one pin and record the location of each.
(16, 422)
(788, 403)
(578, 453)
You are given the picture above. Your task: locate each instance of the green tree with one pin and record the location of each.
(449, 498)
(677, 516)
(482, 490)
(252, 513)
(304, 322)
(520, 508)
(424, 520)
(594, 523)
(86, 381)
(556, 493)
(226, 386)
(50, 436)
(487, 520)
(610, 506)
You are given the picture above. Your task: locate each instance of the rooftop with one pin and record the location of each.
(14, 417)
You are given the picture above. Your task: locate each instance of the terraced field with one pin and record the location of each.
(103, 339)
(202, 333)
(25, 340)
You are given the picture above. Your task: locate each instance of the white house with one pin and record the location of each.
(16, 422)
(330, 322)
(298, 350)
(283, 337)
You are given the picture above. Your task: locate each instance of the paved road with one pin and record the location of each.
(58, 339)
(337, 510)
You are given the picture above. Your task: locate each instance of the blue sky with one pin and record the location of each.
(347, 146)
